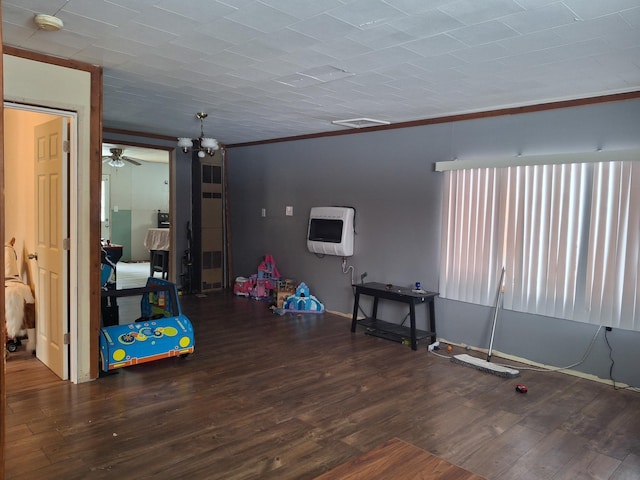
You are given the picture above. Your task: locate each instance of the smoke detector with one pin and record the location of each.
(48, 22)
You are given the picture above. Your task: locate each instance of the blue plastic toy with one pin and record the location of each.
(303, 301)
(162, 330)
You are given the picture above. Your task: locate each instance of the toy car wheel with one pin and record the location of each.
(12, 347)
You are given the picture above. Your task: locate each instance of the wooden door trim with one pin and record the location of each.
(95, 172)
(3, 328)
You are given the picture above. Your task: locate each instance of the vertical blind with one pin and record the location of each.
(567, 234)
(471, 235)
(543, 249)
(612, 291)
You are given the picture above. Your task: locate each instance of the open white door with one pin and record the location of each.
(105, 208)
(51, 167)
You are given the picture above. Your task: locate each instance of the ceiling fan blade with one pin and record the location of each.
(130, 160)
(106, 158)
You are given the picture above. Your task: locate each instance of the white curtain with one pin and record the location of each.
(567, 234)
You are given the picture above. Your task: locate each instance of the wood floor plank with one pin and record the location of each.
(474, 436)
(589, 464)
(498, 455)
(548, 458)
(610, 424)
(629, 469)
(398, 460)
(292, 397)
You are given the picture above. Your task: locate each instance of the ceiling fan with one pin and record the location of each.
(117, 159)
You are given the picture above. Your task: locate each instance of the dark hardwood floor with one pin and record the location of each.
(292, 397)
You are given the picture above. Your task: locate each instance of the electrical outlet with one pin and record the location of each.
(263, 213)
(288, 211)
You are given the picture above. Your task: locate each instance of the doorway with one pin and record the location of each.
(136, 188)
(43, 232)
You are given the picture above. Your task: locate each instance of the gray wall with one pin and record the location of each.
(388, 177)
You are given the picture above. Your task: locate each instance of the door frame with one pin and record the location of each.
(72, 86)
(92, 137)
(3, 328)
(115, 139)
(71, 218)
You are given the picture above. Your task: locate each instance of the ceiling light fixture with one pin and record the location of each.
(116, 162)
(48, 22)
(206, 145)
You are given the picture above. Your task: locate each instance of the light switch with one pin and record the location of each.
(288, 211)
(263, 212)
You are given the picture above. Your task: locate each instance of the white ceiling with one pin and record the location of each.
(277, 68)
(140, 154)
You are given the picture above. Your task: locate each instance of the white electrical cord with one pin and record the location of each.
(539, 369)
(557, 369)
(346, 269)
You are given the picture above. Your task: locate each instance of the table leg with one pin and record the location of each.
(432, 319)
(165, 265)
(374, 312)
(354, 319)
(412, 318)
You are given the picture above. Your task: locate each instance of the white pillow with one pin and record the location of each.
(10, 262)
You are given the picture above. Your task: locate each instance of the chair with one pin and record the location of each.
(160, 263)
(109, 310)
(19, 303)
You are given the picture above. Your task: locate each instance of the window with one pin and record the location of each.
(567, 234)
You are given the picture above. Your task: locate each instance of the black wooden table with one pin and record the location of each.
(393, 331)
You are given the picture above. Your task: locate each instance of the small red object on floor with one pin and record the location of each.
(520, 388)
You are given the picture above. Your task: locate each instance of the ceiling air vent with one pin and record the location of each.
(360, 122)
(314, 76)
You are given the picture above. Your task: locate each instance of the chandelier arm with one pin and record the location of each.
(205, 145)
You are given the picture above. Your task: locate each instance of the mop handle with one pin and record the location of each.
(495, 315)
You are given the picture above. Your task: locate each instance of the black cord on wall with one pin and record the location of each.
(613, 362)
(606, 339)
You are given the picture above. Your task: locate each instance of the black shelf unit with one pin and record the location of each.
(392, 331)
